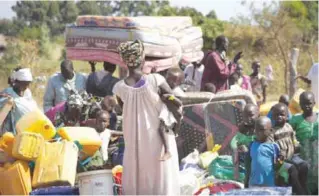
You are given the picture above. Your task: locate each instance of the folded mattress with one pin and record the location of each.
(120, 35)
(112, 57)
(195, 45)
(162, 24)
(152, 50)
(192, 57)
(187, 35)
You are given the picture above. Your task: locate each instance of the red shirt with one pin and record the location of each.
(216, 71)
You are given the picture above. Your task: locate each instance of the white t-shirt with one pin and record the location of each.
(197, 80)
(313, 76)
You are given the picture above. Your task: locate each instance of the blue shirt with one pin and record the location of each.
(57, 89)
(263, 156)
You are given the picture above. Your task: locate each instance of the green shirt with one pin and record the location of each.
(307, 135)
(241, 139)
(304, 130)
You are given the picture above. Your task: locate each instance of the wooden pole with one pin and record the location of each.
(293, 71)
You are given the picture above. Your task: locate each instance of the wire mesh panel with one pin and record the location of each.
(219, 118)
(193, 132)
(223, 118)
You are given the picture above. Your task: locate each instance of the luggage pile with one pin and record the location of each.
(208, 173)
(167, 40)
(35, 162)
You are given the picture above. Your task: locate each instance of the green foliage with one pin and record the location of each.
(211, 29)
(54, 14)
(10, 27)
(212, 15)
(88, 8)
(44, 44)
(28, 33)
(11, 56)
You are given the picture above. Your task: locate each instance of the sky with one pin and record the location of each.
(225, 9)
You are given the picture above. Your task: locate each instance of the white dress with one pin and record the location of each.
(143, 173)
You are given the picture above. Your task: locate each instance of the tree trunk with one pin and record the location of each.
(293, 71)
(284, 56)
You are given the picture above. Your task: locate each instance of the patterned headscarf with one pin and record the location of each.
(132, 53)
(75, 99)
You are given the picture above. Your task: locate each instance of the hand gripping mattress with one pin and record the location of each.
(112, 57)
(120, 35)
(163, 24)
(151, 50)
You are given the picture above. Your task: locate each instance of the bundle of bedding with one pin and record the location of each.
(167, 40)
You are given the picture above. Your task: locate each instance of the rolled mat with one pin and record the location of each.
(161, 24)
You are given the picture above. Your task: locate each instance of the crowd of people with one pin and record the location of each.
(152, 111)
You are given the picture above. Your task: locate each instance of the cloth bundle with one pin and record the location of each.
(167, 40)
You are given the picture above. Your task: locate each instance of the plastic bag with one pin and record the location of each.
(192, 158)
(188, 183)
(223, 168)
(207, 157)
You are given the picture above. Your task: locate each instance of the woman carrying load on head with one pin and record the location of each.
(143, 173)
(21, 96)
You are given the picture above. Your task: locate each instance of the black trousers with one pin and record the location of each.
(298, 173)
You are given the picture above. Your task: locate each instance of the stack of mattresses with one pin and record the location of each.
(167, 40)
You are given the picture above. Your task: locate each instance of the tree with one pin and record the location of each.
(54, 14)
(88, 8)
(212, 15)
(137, 8)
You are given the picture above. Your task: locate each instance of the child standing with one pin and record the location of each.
(284, 136)
(258, 83)
(285, 100)
(245, 135)
(262, 156)
(306, 128)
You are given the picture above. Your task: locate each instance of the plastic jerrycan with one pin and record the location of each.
(6, 142)
(36, 122)
(27, 146)
(88, 138)
(15, 179)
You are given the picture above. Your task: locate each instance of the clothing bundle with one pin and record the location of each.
(166, 40)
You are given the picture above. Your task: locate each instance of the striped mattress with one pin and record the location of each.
(161, 24)
(120, 35)
(151, 50)
(112, 57)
